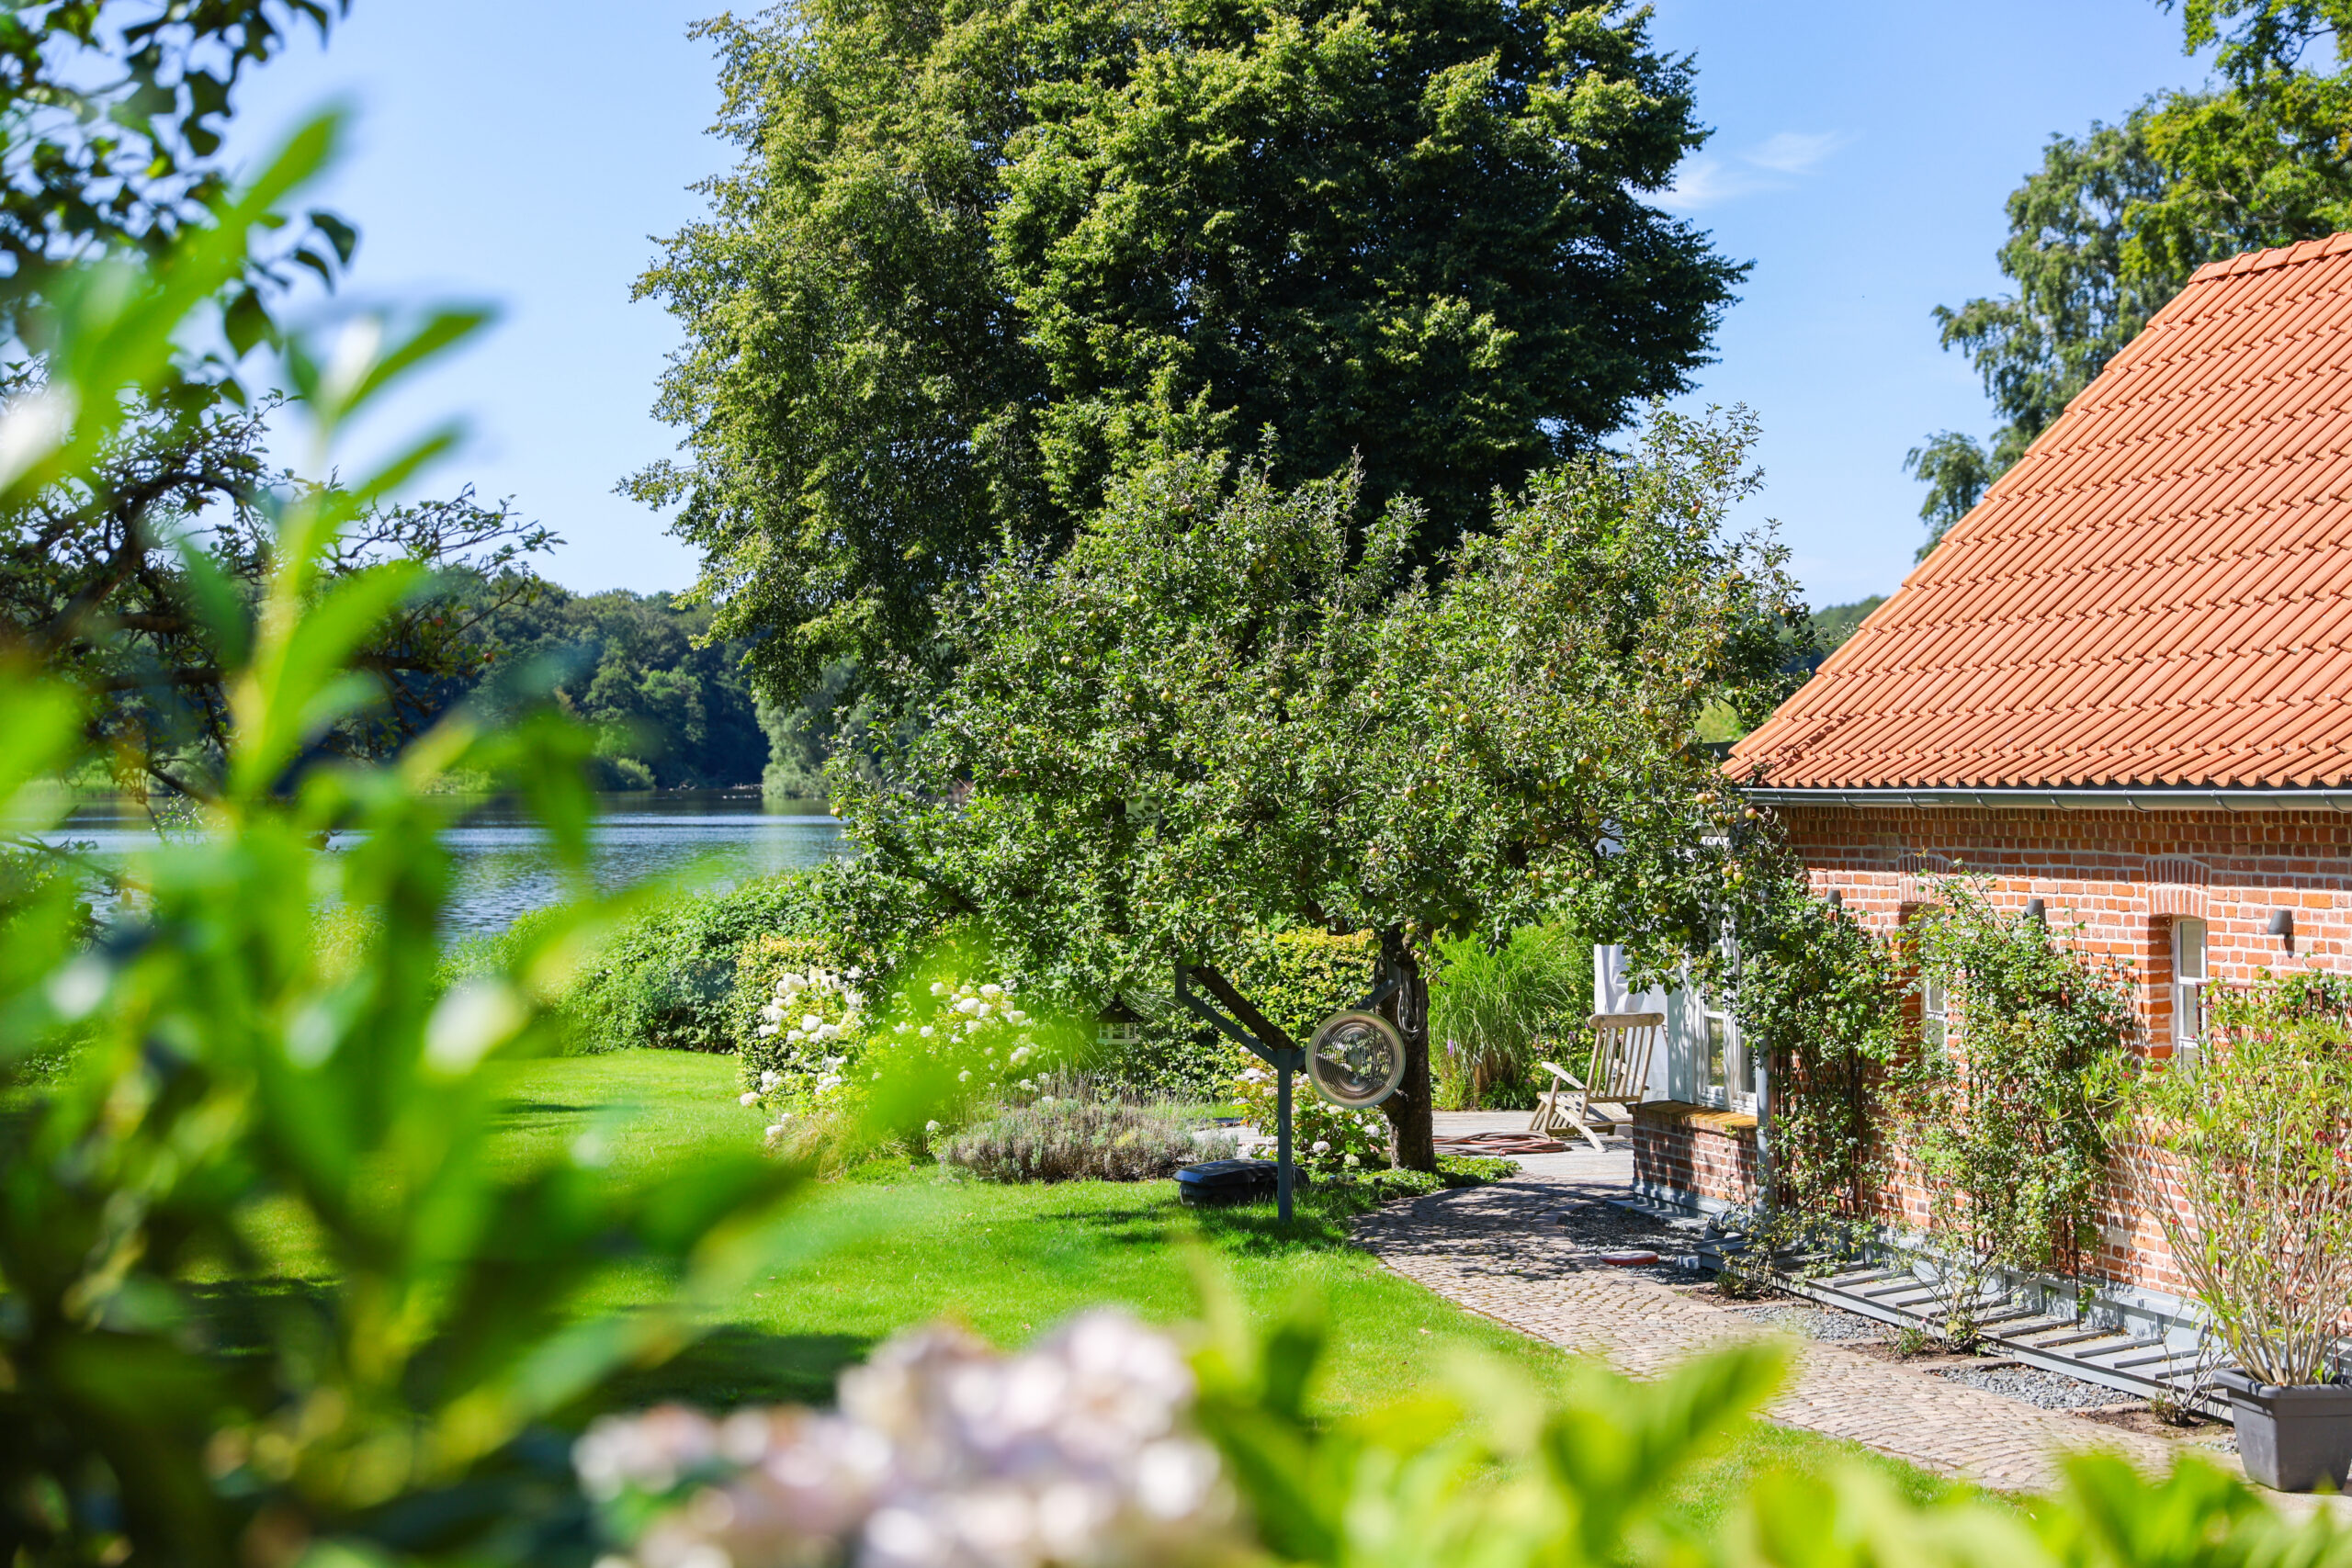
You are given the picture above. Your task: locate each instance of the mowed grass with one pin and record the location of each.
(892, 1249)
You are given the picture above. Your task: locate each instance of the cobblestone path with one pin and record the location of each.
(1504, 1252)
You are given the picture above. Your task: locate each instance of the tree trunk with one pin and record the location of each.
(1408, 1007)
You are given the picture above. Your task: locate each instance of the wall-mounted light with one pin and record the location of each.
(1837, 898)
(2282, 926)
(2035, 910)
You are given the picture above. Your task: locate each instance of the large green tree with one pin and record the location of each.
(2113, 222)
(1231, 706)
(979, 258)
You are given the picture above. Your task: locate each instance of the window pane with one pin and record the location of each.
(2188, 950)
(1718, 1038)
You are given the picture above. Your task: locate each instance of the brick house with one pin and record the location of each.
(2122, 686)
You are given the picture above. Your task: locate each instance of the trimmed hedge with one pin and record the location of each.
(1297, 978)
(1301, 978)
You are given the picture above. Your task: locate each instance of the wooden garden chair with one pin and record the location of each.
(1624, 1043)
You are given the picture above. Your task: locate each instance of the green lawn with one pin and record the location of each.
(909, 1246)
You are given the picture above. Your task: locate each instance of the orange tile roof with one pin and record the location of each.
(2158, 594)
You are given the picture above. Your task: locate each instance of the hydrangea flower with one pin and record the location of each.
(943, 1455)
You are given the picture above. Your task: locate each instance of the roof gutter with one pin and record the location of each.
(2160, 799)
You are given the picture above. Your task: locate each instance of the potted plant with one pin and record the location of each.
(2246, 1160)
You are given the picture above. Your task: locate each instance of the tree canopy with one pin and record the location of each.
(1232, 706)
(980, 259)
(2112, 224)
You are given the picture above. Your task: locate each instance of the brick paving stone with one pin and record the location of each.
(1500, 1251)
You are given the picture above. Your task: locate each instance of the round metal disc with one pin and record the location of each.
(1356, 1059)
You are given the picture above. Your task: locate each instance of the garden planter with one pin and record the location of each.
(2290, 1438)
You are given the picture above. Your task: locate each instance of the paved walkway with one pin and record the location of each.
(1503, 1251)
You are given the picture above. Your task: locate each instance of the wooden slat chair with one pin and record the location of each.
(1624, 1043)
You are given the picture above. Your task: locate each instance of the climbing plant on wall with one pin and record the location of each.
(2008, 1117)
(1821, 996)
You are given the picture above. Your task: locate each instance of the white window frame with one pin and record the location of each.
(1934, 1013)
(1733, 1089)
(2191, 974)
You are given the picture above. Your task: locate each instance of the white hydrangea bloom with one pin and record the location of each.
(944, 1455)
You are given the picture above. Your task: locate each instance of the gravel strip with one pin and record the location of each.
(2042, 1389)
(1826, 1324)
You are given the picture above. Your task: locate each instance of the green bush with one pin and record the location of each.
(1493, 1016)
(1075, 1139)
(1296, 979)
(668, 977)
(2243, 1160)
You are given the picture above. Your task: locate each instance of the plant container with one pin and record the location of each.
(2290, 1440)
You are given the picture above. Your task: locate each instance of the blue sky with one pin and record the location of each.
(524, 154)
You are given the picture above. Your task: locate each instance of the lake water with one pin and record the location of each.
(704, 838)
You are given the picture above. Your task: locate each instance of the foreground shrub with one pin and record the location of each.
(1104, 1445)
(1073, 1139)
(1493, 1016)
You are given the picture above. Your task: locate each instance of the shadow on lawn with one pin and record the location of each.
(735, 1365)
(1319, 1222)
(514, 1110)
(729, 1366)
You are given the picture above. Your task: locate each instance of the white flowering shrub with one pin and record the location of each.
(952, 1048)
(1326, 1138)
(812, 1031)
(944, 1454)
(941, 1051)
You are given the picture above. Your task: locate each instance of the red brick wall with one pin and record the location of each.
(1687, 1152)
(2122, 877)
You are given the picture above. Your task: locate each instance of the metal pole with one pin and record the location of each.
(1282, 1141)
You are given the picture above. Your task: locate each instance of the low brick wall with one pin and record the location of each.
(1694, 1156)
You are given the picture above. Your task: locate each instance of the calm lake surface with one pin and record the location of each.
(703, 839)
